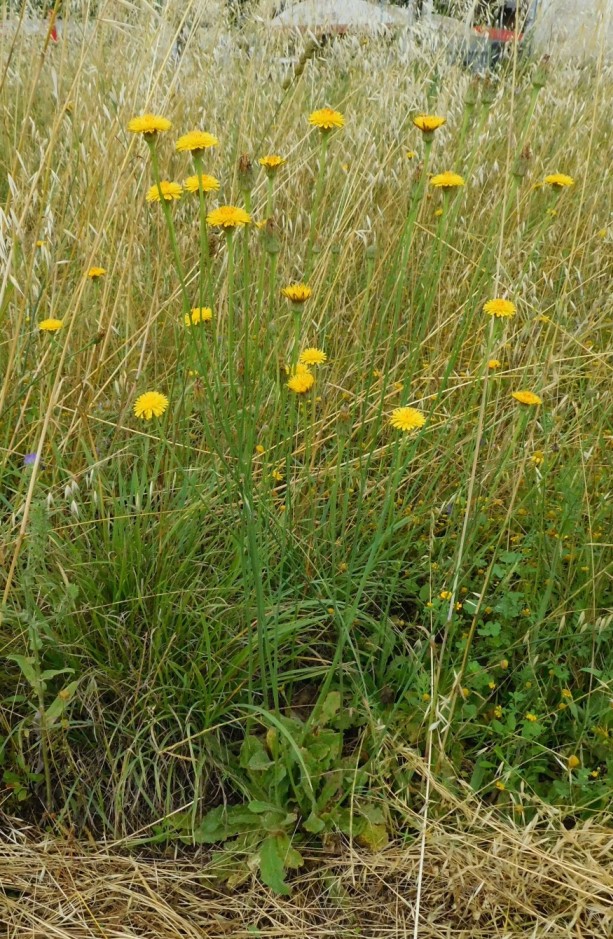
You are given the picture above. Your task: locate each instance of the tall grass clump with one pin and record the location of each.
(306, 435)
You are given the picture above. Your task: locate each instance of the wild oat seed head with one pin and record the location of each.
(297, 293)
(196, 141)
(407, 419)
(51, 325)
(228, 216)
(271, 162)
(326, 119)
(198, 314)
(499, 307)
(559, 180)
(167, 191)
(149, 125)
(428, 123)
(312, 356)
(150, 404)
(526, 397)
(95, 272)
(208, 183)
(447, 180)
(301, 381)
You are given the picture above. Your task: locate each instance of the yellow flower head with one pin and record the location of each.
(500, 785)
(301, 381)
(198, 314)
(228, 216)
(407, 419)
(494, 363)
(196, 141)
(149, 125)
(297, 293)
(95, 272)
(531, 717)
(445, 594)
(272, 162)
(50, 325)
(537, 457)
(208, 183)
(326, 119)
(573, 762)
(428, 123)
(500, 308)
(526, 397)
(150, 404)
(40, 243)
(312, 356)
(559, 180)
(166, 190)
(411, 154)
(447, 180)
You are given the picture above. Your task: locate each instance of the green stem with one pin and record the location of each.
(205, 286)
(316, 201)
(170, 226)
(230, 243)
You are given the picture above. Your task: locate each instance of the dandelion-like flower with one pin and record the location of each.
(538, 457)
(40, 243)
(149, 125)
(150, 404)
(447, 180)
(301, 381)
(526, 397)
(198, 314)
(96, 272)
(208, 183)
(312, 356)
(272, 162)
(228, 216)
(50, 325)
(326, 119)
(573, 761)
(411, 154)
(428, 123)
(407, 420)
(499, 307)
(297, 293)
(197, 141)
(494, 363)
(166, 190)
(559, 180)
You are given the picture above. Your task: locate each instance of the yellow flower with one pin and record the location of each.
(445, 594)
(504, 664)
(526, 397)
(50, 325)
(277, 475)
(259, 449)
(428, 123)
(149, 125)
(407, 419)
(411, 154)
(95, 272)
(447, 180)
(537, 457)
(531, 717)
(196, 141)
(40, 243)
(167, 191)
(228, 216)
(199, 314)
(150, 404)
(500, 785)
(301, 381)
(272, 162)
(559, 180)
(438, 213)
(208, 183)
(297, 293)
(573, 762)
(499, 307)
(498, 711)
(567, 693)
(312, 356)
(494, 363)
(326, 119)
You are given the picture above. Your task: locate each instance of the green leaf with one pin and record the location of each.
(329, 708)
(26, 664)
(225, 822)
(272, 866)
(374, 837)
(50, 673)
(314, 824)
(57, 707)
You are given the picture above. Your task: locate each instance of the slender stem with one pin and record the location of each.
(170, 226)
(205, 282)
(316, 201)
(230, 243)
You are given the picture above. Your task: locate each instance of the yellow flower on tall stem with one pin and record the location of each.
(272, 162)
(149, 125)
(447, 180)
(500, 308)
(312, 356)
(326, 119)
(297, 293)
(428, 123)
(559, 180)
(150, 404)
(301, 381)
(527, 397)
(196, 142)
(228, 217)
(199, 314)
(96, 272)
(204, 182)
(406, 419)
(165, 190)
(50, 325)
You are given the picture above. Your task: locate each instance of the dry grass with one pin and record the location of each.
(490, 882)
